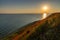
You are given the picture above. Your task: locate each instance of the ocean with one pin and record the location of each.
(11, 22)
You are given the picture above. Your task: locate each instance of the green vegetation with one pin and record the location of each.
(49, 30)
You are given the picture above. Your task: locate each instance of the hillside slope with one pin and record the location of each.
(46, 29)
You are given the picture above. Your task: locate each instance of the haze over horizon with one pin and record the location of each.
(28, 6)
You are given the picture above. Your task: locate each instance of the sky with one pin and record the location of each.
(28, 6)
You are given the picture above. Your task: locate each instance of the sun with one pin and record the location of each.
(45, 8)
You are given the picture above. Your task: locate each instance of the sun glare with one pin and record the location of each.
(45, 8)
(44, 15)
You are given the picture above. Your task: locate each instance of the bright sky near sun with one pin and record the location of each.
(28, 6)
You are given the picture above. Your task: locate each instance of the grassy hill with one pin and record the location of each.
(46, 29)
